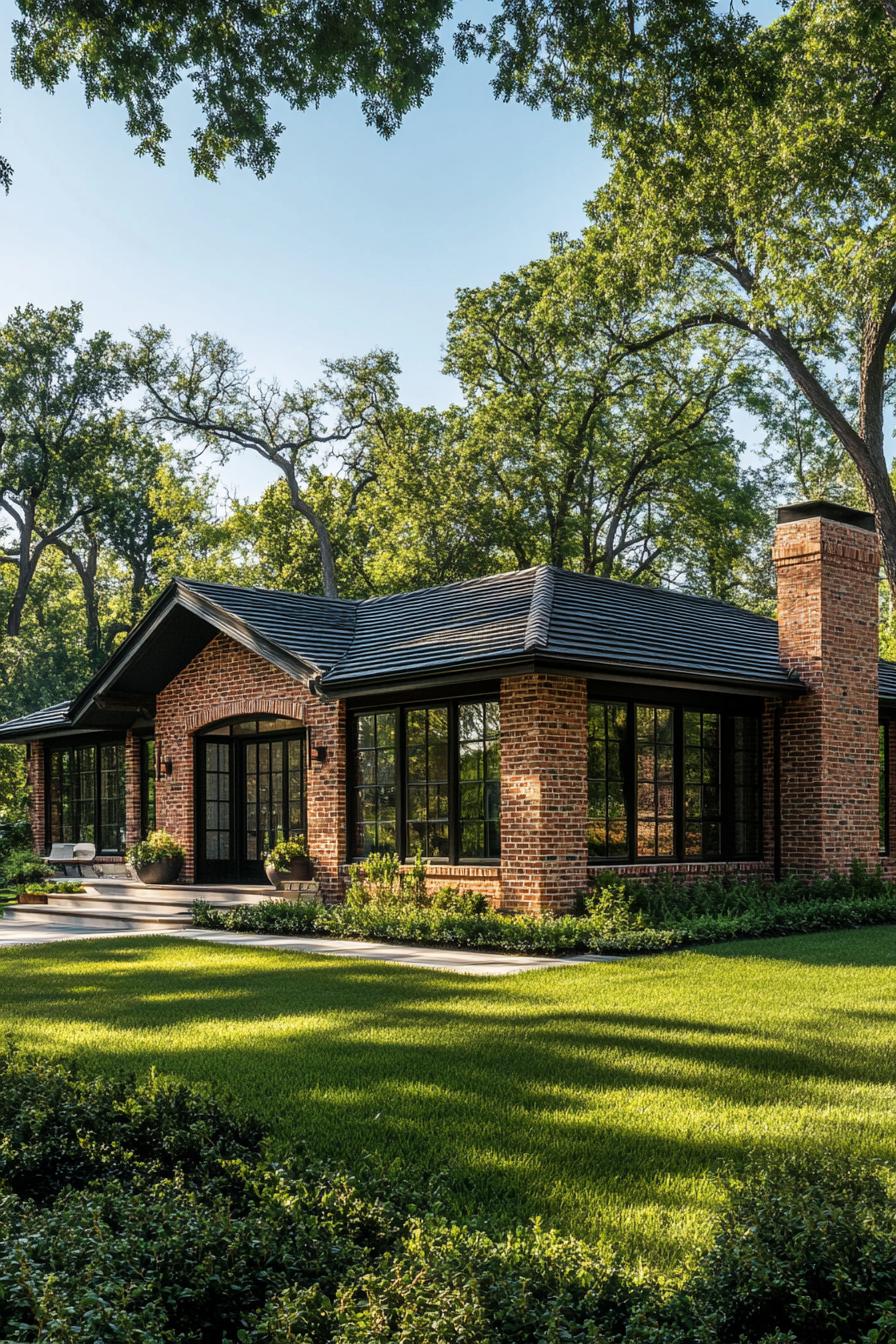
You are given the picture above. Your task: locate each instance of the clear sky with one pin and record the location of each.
(352, 242)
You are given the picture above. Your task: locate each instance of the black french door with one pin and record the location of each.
(251, 792)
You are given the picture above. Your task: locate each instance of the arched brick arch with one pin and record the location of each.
(246, 707)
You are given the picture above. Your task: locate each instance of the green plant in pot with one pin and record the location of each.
(287, 861)
(157, 860)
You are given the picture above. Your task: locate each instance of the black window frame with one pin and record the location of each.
(883, 739)
(728, 710)
(51, 747)
(452, 702)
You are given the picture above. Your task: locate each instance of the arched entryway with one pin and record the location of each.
(250, 791)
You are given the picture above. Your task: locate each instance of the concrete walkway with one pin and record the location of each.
(461, 960)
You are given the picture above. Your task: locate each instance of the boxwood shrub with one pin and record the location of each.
(148, 1212)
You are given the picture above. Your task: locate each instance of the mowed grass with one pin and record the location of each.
(604, 1098)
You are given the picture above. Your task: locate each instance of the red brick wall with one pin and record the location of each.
(828, 629)
(544, 791)
(132, 746)
(226, 680)
(37, 800)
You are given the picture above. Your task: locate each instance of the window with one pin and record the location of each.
(702, 785)
(147, 786)
(607, 819)
(375, 774)
(111, 796)
(217, 799)
(672, 782)
(655, 834)
(427, 777)
(883, 747)
(86, 787)
(427, 782)
(479, 772)
(746, 785)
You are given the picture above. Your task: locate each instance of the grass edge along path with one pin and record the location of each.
(604, 1098)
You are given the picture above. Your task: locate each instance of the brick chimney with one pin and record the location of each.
(827, 561)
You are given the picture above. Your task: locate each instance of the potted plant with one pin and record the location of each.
(157, 860)
(287, 861)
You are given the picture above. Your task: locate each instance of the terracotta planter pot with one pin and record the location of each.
(161, 873)
(300, 870)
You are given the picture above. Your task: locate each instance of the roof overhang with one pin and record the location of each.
(175, 629)
(616, 673)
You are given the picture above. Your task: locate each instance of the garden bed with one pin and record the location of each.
(618, 916)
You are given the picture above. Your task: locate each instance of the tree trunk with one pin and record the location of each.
(25, 569)
(325, 546)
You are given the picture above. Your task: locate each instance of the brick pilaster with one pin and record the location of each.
(544, 791)
(37, 794)
(132, 749)
(827, 572)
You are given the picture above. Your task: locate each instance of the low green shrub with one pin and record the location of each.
(147, 1213)
(21, 867)
(614, 922)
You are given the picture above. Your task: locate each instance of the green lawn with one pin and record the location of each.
(603, 1097)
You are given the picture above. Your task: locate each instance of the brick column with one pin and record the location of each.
(132, 749)
(544, 791)
(37, 795)
(827, 561)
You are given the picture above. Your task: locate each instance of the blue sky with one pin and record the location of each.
(352, 242)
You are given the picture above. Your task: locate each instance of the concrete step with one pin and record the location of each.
(128, 886)
(119, 901)
(97, 917)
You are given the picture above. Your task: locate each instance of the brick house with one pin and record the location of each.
(521, 730)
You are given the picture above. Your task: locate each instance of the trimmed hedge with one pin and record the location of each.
(616, 918)
(148, 1213)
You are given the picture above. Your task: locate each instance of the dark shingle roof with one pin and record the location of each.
(318, 630)
(628, 625)
(542, 616)
(886, 680)
(457, 625)
(39, 722)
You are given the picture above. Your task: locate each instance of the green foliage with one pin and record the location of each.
(149, 1212)
(620, 916)
(21, 867)
(459, 901)
(285, 852)
(235, 66)
(595, 458)
(804, 1251)
(157, 846)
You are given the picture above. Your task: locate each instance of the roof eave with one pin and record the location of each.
(180, 594)
(533, 661)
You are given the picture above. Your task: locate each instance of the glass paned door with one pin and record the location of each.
(274, 795)
(217, 809)
(252, 791)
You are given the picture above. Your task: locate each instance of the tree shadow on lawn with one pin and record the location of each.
(590, 1117)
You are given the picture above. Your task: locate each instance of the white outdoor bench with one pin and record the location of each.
(71, 856)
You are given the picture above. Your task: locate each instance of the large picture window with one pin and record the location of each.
(427, 778)
(86, 793)
(672, 782)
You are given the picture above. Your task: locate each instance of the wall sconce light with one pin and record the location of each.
(168, 767)
(318, 753)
